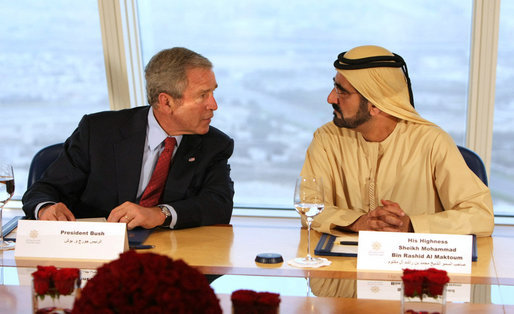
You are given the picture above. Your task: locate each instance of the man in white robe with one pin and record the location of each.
(384, 167)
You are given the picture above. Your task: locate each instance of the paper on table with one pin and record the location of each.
(348, 238)
(96, 219)
(345, 248)
(344, 245)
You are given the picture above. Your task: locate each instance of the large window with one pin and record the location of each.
(502, 163)
(273, 63)
(52, 72)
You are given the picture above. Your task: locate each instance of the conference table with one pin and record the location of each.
(230, 251)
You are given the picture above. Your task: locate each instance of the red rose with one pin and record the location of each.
(49, 280)
(408, 271)
(243, 301)
(436, 281)
(268, 298)
(267, 302)
(413, 283)
(64, 280)
(144, 283)
(243, 297)
(249, 301)
(419, 282)
(42, 279)
(41, 286)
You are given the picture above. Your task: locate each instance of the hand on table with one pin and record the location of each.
(389, 217)
(57, 211)
(135, 215)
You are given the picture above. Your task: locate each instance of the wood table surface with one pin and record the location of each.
(231, 249)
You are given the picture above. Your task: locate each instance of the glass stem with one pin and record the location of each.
(308, 285)
(309, 222)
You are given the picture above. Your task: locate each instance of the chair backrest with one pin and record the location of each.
(474, 163)
(42, 160)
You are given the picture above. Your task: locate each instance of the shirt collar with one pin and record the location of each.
(155, 134)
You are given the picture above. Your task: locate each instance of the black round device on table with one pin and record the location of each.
(269, 258)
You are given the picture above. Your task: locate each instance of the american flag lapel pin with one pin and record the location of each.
(191, 159)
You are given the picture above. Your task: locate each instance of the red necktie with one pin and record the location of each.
(153, 190)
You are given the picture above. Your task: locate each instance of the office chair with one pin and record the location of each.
(474, 163)
(42, 160)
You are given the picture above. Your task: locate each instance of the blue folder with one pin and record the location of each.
(326, 242)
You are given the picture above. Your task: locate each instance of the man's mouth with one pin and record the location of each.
(337, 111)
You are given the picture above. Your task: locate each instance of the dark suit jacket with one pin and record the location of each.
(101, 164)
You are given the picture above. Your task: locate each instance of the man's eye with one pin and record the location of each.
(341, 91)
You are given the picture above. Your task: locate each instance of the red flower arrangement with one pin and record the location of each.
(48, 280)
(429, 282)
(251, 302)
(147, 283)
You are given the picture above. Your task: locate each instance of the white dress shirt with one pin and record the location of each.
(154, 145)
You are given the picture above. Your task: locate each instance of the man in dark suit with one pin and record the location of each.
(110, 158)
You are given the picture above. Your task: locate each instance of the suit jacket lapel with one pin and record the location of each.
(128, 152)
(182, 167)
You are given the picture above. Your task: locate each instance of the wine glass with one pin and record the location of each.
(308, 202)
(6, 192)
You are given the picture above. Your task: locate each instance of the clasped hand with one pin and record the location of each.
(130, 213)
(389, 217)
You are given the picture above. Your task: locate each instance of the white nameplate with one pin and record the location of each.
(398, 250)
(70, 240)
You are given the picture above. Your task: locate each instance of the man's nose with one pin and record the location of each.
(212, 104)
(332, 97)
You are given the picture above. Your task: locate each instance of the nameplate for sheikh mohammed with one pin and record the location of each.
(398, 250)
(70, 240)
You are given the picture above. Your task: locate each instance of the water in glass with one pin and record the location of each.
(309, 202)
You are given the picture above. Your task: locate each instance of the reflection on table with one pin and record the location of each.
(232, 250)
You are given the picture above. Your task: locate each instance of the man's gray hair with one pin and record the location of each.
(166, 72)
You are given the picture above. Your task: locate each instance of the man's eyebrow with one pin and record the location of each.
(208, 89)
(338, 86)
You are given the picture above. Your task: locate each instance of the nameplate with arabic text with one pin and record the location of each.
(397, 250)
(82, 240)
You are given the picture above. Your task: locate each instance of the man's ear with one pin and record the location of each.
(165, 103)
(374, 110)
